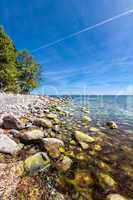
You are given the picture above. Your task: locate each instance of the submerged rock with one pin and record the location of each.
(57, 196)
(115, 197)
(39, 161)
(83, 137)
(83, 179)
(102, 165)
(7, 145)
(53, 145)
(12, 122)
(46, 123)
(34, 134)
(86, 119)
(106, 181)
(93, 129)
(64, 164)
(112, 125)
(84, 145)
(127, 169)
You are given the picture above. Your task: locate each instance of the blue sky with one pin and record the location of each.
(98, 61)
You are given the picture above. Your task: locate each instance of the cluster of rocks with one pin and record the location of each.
(44, 142)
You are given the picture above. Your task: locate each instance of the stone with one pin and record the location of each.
(38, 162)
(128, 169)
(93, 129)
(115, 197)
(106, 181)
(84, 145)
(83, 137)
(53, 145)
(7, 145)
(53, 117)
(86, 119)
(64, 164)
(83, 179)
(102, 165)
(57, 196)
(29, 135)
(12, 122)
(46, 123)
(112, 125)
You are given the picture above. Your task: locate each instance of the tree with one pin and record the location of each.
(28, 71)
(8, 70)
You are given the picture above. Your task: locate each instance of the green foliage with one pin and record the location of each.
(28, 71)
(19, 72)
(8, 71)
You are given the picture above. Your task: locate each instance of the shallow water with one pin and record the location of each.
(115, 158)
(104, 108)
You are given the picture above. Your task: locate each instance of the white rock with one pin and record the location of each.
(7, 145)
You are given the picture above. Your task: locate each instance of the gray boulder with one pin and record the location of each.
(7, 145)
(29, 135)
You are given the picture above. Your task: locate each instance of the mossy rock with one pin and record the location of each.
(83, 137)
(127, 169)
(86, 119)
(54, 118)
(46, 123)
(37, 162)
(83, 179)
(102, 165)
(106, 181)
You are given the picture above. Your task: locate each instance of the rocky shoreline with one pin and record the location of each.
(47, 154)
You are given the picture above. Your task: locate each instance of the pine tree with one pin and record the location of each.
(8, 70)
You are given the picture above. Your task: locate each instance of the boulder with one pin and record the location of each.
(46, 123)
(7, 145)
(106, 181)
(30, 135)
(53, 145)
(57, 196)
(38, 162)
(83, 137)
(64, 164)
(83, 179)
(112, 125)
(86, 119)
(115, 197)
(12, 122)
(53, 117)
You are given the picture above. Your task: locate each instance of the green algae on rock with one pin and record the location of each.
(83, 179)
(83, 137)
(36, 163)
(86, 119)
(46, 123)
(64, 164)
(106, 181)
(53, 146)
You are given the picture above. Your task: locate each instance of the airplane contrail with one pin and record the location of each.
(83, 30)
